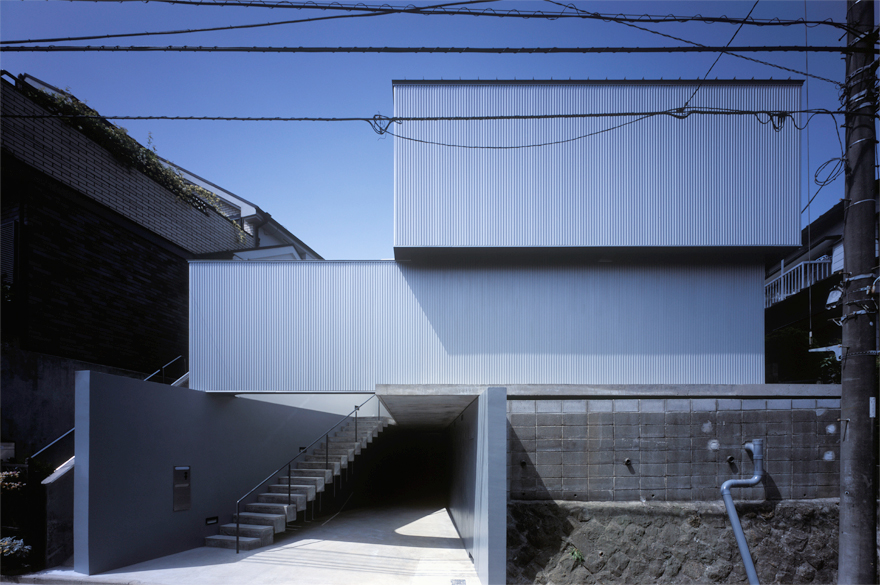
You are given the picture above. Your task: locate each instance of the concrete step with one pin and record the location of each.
(350, 448)
(307, 490)
(297, 499)
(288, 511)
(362, 440)
(276, 521)
(338, 451)
(362, 428)
(312, 471)
(221, 541)
(361, 434)
(358, 446)
(266, 534)
(335, 468)
(321, 458)
(316, 482)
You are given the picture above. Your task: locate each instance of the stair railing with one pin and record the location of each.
(27, 460)
(326, 438)
(162, 368)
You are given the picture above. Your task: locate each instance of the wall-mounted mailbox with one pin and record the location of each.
(182, 489)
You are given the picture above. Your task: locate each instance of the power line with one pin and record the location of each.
(510, 147)
(382, 124)
(231, 27)
(711, 67)
(680, 113)
(490, 12)
(680, 40)
(479, 50)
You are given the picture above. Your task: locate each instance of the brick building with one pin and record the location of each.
(95, 263)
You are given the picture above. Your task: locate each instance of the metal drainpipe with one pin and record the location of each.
(756, 447)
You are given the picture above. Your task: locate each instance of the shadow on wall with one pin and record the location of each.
(489, 302)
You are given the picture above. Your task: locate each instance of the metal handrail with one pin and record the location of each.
(162, 368)
(50, 444)
(326, 437)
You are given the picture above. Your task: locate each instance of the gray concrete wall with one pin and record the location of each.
(677, 447)
(477, 495)
(38, 398)
(130, 435)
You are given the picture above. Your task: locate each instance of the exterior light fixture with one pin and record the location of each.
(834, 297)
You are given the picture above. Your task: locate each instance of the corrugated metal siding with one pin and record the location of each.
(702, 181)
(323, 326)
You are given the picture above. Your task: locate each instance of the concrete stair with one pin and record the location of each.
(278, 503)
(308, 491)
(316, 482)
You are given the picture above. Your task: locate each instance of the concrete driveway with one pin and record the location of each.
(389, 545)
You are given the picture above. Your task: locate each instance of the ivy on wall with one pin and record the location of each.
(127, 151)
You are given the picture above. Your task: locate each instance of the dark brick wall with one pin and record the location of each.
(577, 449)
(91, 285)
(68, 156)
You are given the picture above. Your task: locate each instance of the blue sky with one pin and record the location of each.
(332, 184)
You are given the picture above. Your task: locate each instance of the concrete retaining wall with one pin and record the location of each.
(129, 437)
(38, 399)
(791, 542)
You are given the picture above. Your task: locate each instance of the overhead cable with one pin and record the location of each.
(382, 124)
(480, 50)
(230, 27)
(490, 12)
(711, 67)
(680, 40)
(680, 113)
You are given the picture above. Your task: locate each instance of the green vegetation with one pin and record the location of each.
(126, 150)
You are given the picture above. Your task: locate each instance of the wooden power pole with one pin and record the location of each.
(857, 563)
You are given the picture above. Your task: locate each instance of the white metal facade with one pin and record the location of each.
(340, 326)
(707, 180)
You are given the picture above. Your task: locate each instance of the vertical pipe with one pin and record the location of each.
(237, 523)
(757, 449)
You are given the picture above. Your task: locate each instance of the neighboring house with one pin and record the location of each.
(797, 314)
(94, 262)
(584, 320)
(795, 294)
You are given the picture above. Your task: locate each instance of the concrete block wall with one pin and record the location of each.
(63, 153)
(677, 448)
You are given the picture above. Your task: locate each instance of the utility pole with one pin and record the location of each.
(857, 563)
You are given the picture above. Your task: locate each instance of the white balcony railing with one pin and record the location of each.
(796, 279)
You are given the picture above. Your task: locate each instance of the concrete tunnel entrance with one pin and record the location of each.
(450, 446)
(404, 466)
